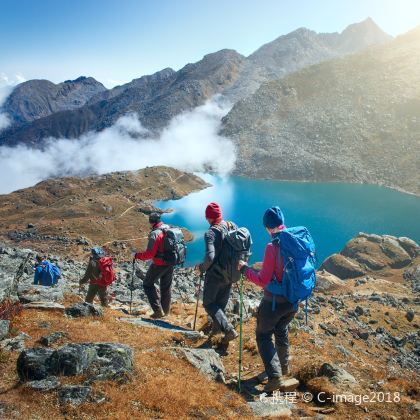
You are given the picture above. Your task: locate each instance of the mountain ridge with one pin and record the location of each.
(159, 97)
(363, 128)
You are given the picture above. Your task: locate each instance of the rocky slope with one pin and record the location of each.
(71, 214)
(159, 97)
(362, 339)
(353, 119)
(39, 98)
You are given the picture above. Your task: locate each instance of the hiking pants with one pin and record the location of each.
(216, 294)
(165, 273)
(96, 289)
(275, 322)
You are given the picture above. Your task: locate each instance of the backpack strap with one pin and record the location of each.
(223, 230)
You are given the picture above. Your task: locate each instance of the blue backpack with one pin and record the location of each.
(46, 274)
(297, 249)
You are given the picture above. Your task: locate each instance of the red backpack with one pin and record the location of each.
(107, 273)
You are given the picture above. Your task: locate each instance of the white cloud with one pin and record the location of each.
(6, 86)
(190, 142)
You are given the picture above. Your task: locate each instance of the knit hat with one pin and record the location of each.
(154, 217)
(273, 217)
(213, 212)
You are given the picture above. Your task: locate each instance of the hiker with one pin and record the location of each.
(46, 273)
(159, 269)
(217, 283)
(99, 274)
(269, 322)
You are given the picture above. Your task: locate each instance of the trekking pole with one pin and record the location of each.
(240, 330)
(243, 303)
(132, 285)
(198, 297)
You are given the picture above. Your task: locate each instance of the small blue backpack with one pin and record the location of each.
(46, 274)
(297, 249)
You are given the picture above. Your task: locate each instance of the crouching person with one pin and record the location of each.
(99, 273)
(273, 317)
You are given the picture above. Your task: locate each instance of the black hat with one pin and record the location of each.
(154, 217)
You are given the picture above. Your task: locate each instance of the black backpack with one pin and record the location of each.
(174, 248)
(236, 245)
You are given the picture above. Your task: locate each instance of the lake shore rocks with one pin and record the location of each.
(369, 253)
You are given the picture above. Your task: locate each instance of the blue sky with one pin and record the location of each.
(118, 40)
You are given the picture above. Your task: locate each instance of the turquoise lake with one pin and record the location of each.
(333, 213)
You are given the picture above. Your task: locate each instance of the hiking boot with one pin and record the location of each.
(229, 336)
(285, 370)
(157, 314)
(273, 384)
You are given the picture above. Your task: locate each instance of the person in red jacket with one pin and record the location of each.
(93, 275)
(159, 269)
(269, 321)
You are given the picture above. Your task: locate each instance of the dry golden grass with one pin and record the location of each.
(162, 386)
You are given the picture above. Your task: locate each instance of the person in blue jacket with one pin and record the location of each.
(46, 273)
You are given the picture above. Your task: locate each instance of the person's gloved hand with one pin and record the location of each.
(242, 266)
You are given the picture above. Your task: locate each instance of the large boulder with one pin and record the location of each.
(72, 359)
(342, 267)
(34, 364)
(15, 265)
(410, 246)
(97, 360)
(205, 360)
(36, 293)
(395, 252)
(326, 282)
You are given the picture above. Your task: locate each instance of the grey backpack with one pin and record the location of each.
(236, 245)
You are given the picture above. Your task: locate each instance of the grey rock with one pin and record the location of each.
(410, 246)
(326, 281)
(363, 334)
(113, 361)
(336, 374)
(342, 267)
(393, 250)
(4, 328)
(52, 338)
(45, 305)
(205, 360)
(35, 293)
(44, 385)
(16, 343)
(82, 309)
(409, 315)
(359, 310)
(269, 408)
(164, 326)
(74, 394)
(72, 359)
(329, 328)
(99, 360)
(34, 364)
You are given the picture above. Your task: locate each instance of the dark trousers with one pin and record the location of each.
(165, 273)
(95, 289)
(216, 294)
(275, 322)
